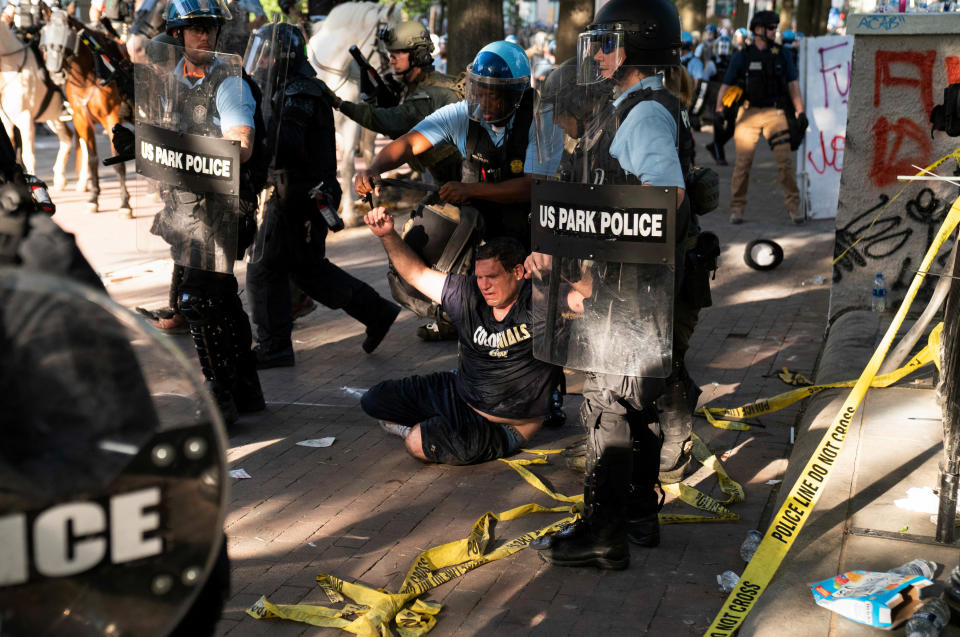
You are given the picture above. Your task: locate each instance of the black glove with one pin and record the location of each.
(124, 143)
(329, 96)
(802, 123)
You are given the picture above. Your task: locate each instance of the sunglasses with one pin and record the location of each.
(607, 44)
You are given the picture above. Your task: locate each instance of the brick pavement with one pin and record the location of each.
(362, 509)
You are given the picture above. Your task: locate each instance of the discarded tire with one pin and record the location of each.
(763, 254)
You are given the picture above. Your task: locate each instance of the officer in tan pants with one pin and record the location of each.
(768, 76)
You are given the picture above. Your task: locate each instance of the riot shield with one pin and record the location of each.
(184, 100)
(148, 17)
(265, 61)
(603, 298)
(112, 470)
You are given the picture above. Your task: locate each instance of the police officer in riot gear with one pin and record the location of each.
(293, 232)
(207, 231)
(492, 128)
(114, 467)
(770, 81)
(641, 138)
(424, 91)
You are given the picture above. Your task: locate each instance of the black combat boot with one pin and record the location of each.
(211, 337)
(246, 390)
(600, 539)
(374, 311)
(643, 500)
(676, 407)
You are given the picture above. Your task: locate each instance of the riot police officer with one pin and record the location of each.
(208, 230)
(492, 128)
(424, 91)
(641, 138)
(770, 86)
(107, 432)
(293, 230)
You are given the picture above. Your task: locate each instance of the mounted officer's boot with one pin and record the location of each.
(676, 406)
(600, 538)
(215, 348)
(643, 500)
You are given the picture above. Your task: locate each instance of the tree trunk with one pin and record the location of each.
(575, 15)
(693, 14)
(812, 17)
(742, 19)
(472, 24)
(788, 15)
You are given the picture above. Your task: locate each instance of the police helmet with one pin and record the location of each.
(686, 39)
(742, 32)
(496, 81)
(788, 37)
(512, 39)
(275, 52)
(712, 28)
(723, 46)
(766, 19)
(114, 468)
(648, 32)
(560, 91)
(184, 13)
(412, 37)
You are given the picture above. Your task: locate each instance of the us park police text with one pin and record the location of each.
(617, 223)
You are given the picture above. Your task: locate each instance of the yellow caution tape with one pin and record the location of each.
(715, 415)
(805, 493)
(794, 378)
(700, 500)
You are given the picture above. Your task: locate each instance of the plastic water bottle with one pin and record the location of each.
(728, 580)
(878, 300)
(924, 568)
(749, 546)
(929, 619)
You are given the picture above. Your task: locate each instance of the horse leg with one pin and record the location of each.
(88, 137)
(65, 137)
(83, 165)
(349, 132)
(27, 132)
(121, 169)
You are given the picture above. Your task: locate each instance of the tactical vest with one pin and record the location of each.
(603, 168)
(200, 105)
(485, 162)
(765, 73)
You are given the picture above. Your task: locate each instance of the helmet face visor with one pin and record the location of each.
(599, 55)
(493, 100)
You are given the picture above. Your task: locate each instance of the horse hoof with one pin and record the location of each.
(93, 207)
(128, 211)
(59, 185)
(81, 187)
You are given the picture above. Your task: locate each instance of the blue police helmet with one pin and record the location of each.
(686, 38)
(501, 60)
(712, 28)
(512, 39)
(496, 80)
(182, 13)
(788, 36)
(743, 32)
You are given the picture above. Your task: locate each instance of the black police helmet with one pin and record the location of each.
(765, 19)
(651, 30)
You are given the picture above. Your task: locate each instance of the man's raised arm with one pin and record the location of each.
(409, 266)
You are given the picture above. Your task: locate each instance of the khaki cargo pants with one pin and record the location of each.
(751, 124)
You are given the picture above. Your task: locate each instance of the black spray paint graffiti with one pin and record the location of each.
(889, 235)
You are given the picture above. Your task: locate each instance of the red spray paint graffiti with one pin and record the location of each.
(898, 146)
(834, 161)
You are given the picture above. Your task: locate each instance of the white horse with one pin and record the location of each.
(25, 99)
(328, 51)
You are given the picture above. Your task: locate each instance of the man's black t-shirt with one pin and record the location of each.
(498, 373)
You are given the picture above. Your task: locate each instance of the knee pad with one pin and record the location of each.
(197, 307)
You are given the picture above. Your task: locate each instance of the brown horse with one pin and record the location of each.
(66, 56)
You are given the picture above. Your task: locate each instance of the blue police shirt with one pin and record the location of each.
(646, 142)
(451, 122)
(232, 111)
(738, 67)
